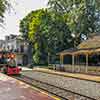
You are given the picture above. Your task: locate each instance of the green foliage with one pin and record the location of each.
(3, 6)
(47, 34)
(78, 14)
(36, 57)
(59, 26)
(30, 26)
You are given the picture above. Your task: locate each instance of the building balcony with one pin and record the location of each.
(18, 51)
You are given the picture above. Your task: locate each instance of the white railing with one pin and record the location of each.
(77, 68)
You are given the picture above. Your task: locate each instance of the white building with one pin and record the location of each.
(18, 46)
(2, 45)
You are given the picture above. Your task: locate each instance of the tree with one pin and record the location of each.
(3, 6)
(30, 26)
(24, 29)
(56, 32)
(48, 34)
(79, 15)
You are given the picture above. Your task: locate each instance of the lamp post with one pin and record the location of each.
(73, 35)
(73, 56)
(55, 44)
(48, 53)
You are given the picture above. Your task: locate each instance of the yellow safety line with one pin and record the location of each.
(74, 75)
(54, 97)
(46, 93)
(41, 91)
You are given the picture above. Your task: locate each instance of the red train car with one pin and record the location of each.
(8, 64)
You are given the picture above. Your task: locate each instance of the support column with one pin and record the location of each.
(48, 58)
(87, 62)
(73, 62)
(78, 63)
(61, 59)
(77, 60)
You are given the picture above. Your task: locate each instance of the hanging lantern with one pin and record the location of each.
(12, 55)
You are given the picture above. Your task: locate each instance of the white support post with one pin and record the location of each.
(61, 59)
(73, 62)
(86, 62)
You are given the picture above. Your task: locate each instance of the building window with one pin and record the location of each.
(22, 48)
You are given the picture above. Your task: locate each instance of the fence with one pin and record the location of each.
(76, 68)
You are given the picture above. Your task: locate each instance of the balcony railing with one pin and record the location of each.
(17, 50)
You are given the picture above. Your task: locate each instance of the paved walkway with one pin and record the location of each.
(12, 89)
(74, 75)
(26, 69)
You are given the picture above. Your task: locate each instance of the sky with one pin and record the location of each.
(20, 9)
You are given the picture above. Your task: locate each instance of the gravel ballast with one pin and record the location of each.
(83, 87)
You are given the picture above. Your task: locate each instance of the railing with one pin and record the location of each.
(17, 51)
(77, 68)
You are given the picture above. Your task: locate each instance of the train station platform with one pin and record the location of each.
(26, 69)
(12, 89)
(72, 75)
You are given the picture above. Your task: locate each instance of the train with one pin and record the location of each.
(8, 63)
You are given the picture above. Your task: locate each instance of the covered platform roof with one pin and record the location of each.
(92, 42)
(68, 51)
(90, 46)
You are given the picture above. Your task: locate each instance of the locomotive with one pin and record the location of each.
(8, 64)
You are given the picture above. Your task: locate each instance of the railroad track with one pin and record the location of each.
(52, 89)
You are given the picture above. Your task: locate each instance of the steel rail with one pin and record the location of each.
(61, 93)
